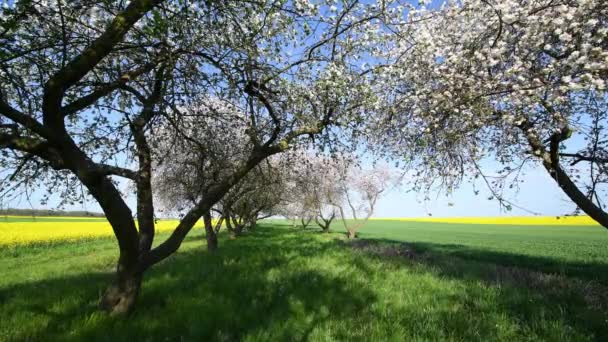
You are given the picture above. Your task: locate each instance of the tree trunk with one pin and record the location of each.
(229, 228)
(218, 225)
(325, 223)
(577, 196)
(552, 164)
(212, 243)
(305, 222)
(238, 230)
(121, 295)
(352, 234)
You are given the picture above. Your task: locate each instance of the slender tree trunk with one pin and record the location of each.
(321, 223)
(218, 225)
(238, 230)
(578, 197)
(239, 225)
(305, 222)
(212, 243)
(235, 222)
(325, 223)
(551, 163)
(352, 234)
(230, 228)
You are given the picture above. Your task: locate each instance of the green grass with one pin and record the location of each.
(576, 250)
(405, 281)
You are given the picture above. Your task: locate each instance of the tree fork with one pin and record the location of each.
(551, 163)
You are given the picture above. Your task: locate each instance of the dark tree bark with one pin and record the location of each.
(551, 162)
(121, 295)
(305, 222)
(229, 226)
(219, 224)
(238, 224)
(212, 243)
(578, 197)
(325, 223)
(238, 230)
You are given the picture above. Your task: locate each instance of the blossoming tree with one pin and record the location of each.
(514, 80)
(360, 189)
(83, 84)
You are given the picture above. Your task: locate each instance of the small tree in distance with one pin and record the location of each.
(337, 187)
(255, 197)
(211, 145)
(361, 189)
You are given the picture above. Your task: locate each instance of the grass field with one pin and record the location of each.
(402, 280)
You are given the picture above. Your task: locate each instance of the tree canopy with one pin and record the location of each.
(517, 81)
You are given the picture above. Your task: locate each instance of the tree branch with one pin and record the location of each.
(252, 89)
(104, 90)
(77, 68)
(580, 157)
(22, 119)
(307, 130)
(109, 170)
(37, 147)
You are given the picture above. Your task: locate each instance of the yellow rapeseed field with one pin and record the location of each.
(16, 230)
(26, 230)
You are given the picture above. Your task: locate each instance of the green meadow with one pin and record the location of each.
(399, 281)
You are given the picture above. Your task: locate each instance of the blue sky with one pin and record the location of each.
(539, 194)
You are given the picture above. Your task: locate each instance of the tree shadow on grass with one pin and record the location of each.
(247, 288)
(530, 289)
(588, 271)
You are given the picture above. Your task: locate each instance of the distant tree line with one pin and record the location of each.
(48, 212)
